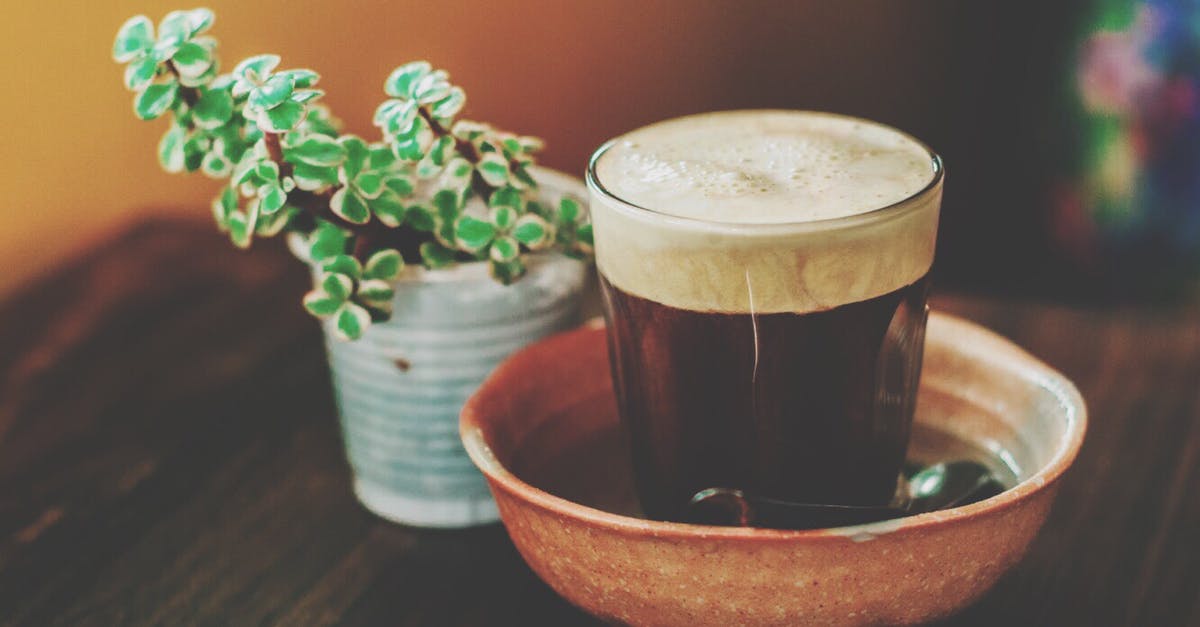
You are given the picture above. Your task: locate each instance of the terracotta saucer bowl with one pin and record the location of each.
(543, 429)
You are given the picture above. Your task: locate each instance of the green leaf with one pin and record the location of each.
(506, 197)
(249, 129)
(472, 233)
(301, 96)
(357, 154)
(311, 178)
(568, 210)
(532, 231)
(446, 201)
(243, 172)
(506, 272)
(380, 157)
(272, 93)
(239, 229)
(388, 208)
(224, 205)
(320, 304)
(397, 117)
(317, 150)
(400, 82)
(538, 208)
(327, 240)
(194, 149)
(440, 150)
(266, 170)
(447, 217)
(272, 196)
(349, 206)
(320, 122)
(493, 168)
(215, 165)
(200, 80)
(229, 143)
(376, 292)
(140, 72)
(503, 218)
(134, 38)
(170, 149)
(448, 106)
(369, 184)
(282, 118)
(173, 31)
(337, 285)
(468, 130)
(522, 179)
(253, 209)
(402, 186)
(186, 24)
(427, 169)
(301, 77)
(434, 255)
(155, 100)
(384, 265)
(192, 59)
(256, 67)
(200, 19)
(351, 322)
(584, 235)
(420, 218)
(269, 226)
(410, 148)
(213, 109)
(343, 264)
(504, 249)
(530, 144)
(432, 87)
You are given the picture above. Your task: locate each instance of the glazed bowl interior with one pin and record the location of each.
(557, 437)
(544, 430)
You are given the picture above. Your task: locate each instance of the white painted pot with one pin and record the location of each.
(400, 387)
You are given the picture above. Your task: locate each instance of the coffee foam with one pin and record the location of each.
(764, 211)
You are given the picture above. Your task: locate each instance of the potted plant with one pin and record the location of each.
(435, 251)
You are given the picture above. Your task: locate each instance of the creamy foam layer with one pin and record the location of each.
(765, 211)
(764, 167)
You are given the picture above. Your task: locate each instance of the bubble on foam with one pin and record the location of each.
(764, 167)
(788, 170)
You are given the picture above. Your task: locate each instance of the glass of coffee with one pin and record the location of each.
(765, 279)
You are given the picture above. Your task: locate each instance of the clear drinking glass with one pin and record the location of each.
(781, 359)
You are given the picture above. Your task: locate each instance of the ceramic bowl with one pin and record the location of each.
(543, 429)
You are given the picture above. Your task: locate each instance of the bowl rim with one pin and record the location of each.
(975, 341)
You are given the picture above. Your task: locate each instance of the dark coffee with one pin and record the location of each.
(810, 407)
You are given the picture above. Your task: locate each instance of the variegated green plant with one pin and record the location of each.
(433, 190)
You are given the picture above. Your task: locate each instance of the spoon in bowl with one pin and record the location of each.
(940, 486)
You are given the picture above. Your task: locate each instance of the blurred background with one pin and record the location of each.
(1069, 128)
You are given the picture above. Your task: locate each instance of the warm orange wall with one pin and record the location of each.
(75, 162)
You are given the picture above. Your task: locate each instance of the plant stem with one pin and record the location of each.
(464, 148)
(190, 95)
(275, 151)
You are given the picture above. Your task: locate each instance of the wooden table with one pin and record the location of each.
(169, 455)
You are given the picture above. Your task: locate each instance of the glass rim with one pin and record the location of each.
(592, 179)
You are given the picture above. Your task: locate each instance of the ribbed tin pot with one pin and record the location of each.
(400, 387)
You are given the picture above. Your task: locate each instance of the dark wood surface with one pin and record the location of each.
(169, 456)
